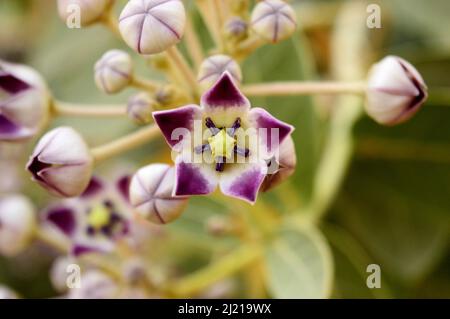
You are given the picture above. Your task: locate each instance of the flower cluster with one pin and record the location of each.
(201, 108)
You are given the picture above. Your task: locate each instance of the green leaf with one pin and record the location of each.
(351, 261)
(299, 264)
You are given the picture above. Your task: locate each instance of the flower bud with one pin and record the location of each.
(59, 274)
(61, 162)
(273, 20)
(395, 92)
(90, 10)
(151, 194)
(281, 166)
(113, 72)
(24, 102)
(140, 108)
(7, 293)
(17, 224)
(152, 26)
(213, 68)
(170, 96)
(236, 29)
(94, 285)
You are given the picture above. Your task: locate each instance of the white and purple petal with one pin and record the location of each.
(243, 181)
(174, 123)
(271, 131)
(224, 94)
(194, 178)
(63, 218)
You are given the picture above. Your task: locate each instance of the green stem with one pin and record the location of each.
(218, 270)
(125, 143)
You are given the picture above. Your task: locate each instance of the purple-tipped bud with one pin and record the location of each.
(17, 224)
(213, 68)
(140, 108)
(24, 102)
(62, 163)
(113, 72)
(281, 166)
(90, 11)
(273, 20)
(152, 26)
(395, 92)
(151, 194)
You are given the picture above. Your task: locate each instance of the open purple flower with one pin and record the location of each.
(96, 220)
(24, 102)
(223, 142)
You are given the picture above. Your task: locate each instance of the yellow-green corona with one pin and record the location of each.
(99, 217)
(222, 144)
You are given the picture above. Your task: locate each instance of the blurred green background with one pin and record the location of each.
(393, 207)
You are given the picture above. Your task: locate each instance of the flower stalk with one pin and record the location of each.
(125, 143)
(234, 262)
(60, 108)
(304, 88)
(181, 64)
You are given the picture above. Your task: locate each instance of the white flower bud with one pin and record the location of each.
(17, 224)
(273, 20)
(213, 68)
(140, 108)
(114, 71)
(7, 293)
(59, 274)
(151, 194)
(152, 26)
(95, 285)
(62, 162)
(395, 92)
(281, 166)
(24, 102)
(90, 10)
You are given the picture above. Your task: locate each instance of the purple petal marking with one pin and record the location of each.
(275, 129)
(63, 218)
(191, 181)
(94, 188)
(244, 185)
(35, 167)
(11, 84)
(123, 186)
(78, 250)
(7, 127)
(224, 93)
(182, 117)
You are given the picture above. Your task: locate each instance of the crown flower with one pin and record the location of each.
(151, 194)
(273, 20)
(152, 26)
(96, 220)
(223, 156)
(61, 162)
(24, 102)
(396, 91)
(113, 72)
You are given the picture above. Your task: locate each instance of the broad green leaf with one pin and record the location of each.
(299, 264)
(351, 261)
